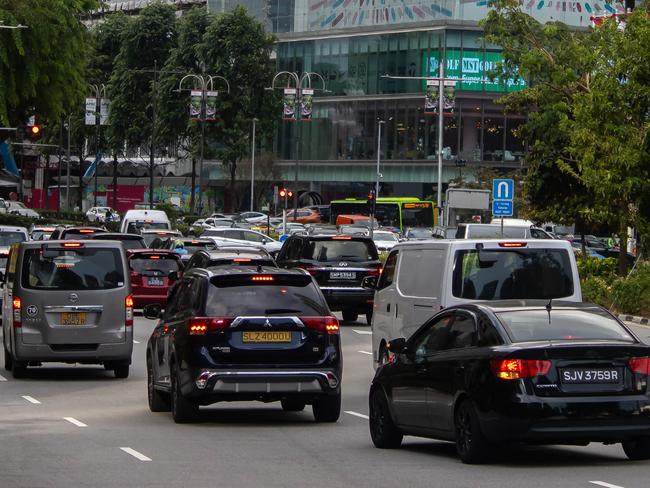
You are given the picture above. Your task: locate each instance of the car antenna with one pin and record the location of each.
(549, 307)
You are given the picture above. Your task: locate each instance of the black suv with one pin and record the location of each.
(242, 334)
(339, 264)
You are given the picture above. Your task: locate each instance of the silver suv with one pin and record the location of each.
(67, 301)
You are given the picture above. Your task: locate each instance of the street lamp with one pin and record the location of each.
(206, 84)
(253, 167)
(92, 118)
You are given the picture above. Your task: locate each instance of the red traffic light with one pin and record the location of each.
(35, 130)
(283, 192)
(289, 193)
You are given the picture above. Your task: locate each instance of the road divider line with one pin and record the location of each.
(74, 421)
(365, 352)
(357, 414)
(138, 455)
(606, 485)
(2, 378)
(31, 399)
(363, 332)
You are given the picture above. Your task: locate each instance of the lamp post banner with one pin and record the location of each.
(431, 98)
(211, 105)
(103, 111)
(289, 104)
(91, 111)
(306, 104)
(449, 100)
(196, 102)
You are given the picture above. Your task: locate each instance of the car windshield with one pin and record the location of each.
(9, 238)
(150, 265)
(419, 233)
(149, 237)
(560, 324)
(340, 250)
(135, 227)
(79, 269)
(384, 236)
(512, 274)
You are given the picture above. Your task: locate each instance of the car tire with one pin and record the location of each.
(327, 408)
(158, 401)
(383, 431)
(121, 370)
(18, 368)
(350, 316)
(183, 410)
(292, 405)
(8, 359)
(471, 444)
(637, 449)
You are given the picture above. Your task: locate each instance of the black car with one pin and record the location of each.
(67, 233)
(130, 241)
(339, 264)
(242, 334)
(191, 245)
(229, 256)
(515, 371)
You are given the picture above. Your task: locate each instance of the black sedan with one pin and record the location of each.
(515, 371)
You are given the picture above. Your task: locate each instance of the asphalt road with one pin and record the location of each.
(77, 426)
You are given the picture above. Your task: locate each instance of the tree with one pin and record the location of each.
(587, 100)
(42, 66)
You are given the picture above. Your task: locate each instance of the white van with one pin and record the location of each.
(422, 277)
(495, 231)
(136, 220)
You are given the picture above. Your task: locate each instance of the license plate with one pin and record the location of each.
(155, 282)
(266, 336)
(584, 376)
(343, 275)
(73, 318)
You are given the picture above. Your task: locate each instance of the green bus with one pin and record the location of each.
(398, 212)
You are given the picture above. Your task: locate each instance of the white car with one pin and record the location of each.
(253, 217)
(240, 236)
(214, 222)
(384, 240)
(19, 208)
(102, 215)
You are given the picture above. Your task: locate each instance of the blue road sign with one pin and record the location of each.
(502, 208)
(503, 189)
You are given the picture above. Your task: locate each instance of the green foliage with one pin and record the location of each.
(602, 268)
(171, 211)
(42, 67)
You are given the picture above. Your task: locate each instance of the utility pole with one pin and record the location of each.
(58, 198)
(67, 176)
(96, 114)
(253, 168)
(153, 130)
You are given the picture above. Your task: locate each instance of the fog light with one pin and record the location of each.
(202, 380)
(332, 380)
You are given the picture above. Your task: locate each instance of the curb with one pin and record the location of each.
(635, 320)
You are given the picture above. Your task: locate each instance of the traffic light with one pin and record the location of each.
(371, 197)
(34, 130)
(283, 193)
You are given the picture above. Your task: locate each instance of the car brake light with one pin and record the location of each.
(374, 272)
(640, 365)
(86, 231)
(16, 305)
(512, 244)
(310, 269)
(242, 260)
(72, 244)
(327, 324)
(341, 238)
(202, 325)
(154, 257)
(128, 314)
(262, 278)
(513, 369)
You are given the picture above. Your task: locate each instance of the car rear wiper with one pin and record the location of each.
(273, 311)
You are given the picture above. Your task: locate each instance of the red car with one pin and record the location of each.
(153, 272)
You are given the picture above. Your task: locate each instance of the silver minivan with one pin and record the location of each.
(67, 301)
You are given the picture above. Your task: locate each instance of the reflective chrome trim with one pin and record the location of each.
(239, 320)
(338, 268)
(338, 288)
(74, 308)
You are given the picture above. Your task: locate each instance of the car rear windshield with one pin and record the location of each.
(236, 262)
(79, 234)
(154, 264)
(80, 269)
(242, 296)
(9, 238)
(135, 227)
(127, 242)
(512, 274)
(542, 325)
(340, 250)
(491, 232)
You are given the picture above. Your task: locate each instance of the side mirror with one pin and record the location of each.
(397, 346)
(369, 283)
(152, 311)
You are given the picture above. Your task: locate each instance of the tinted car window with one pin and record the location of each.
(340, 250)
(540, 325)
(462, 333)
(388, 273)
(85, 269)
(9, 238)
(433, 339)
(512, 274)
(146, 265)
(265, 299)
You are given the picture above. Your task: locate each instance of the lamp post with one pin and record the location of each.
(253, 167)
(96, 116)
(206, 84)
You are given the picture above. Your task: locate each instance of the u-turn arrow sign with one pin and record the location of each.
(503, 189)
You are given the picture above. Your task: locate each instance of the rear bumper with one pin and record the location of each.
(339, 298)
(598, 419)
(140, 301)
(79, 353)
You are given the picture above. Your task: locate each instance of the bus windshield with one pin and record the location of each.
(388, 214)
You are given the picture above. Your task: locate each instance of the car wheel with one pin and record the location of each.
(18, 368)
(383, 431)
(637, 449)
(471, 444)
(292, 405)
(121, 370)
(384, 357)
(183, 410)
(8, 360)
(369, 318)
(158, 401)
(327, 408)
(350, 316)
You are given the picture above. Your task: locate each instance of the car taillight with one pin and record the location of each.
(128, 314)
(16, 305)
(513, 369)
(310, 269)
(327, 324)
(640, 365)
(202, 325)
(374, 272)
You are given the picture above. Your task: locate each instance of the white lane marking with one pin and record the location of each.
(136, 342)
(363, 332)
(606, 485)
(31, 399)
(135, 454)
(2, 378)
(74, 421)
(365, 352)
(357, 414)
